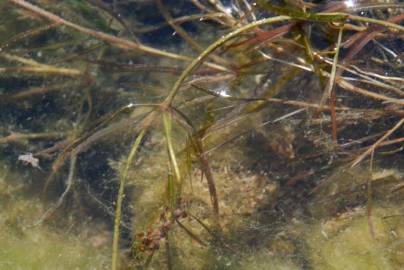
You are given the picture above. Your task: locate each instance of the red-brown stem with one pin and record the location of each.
(333, 101)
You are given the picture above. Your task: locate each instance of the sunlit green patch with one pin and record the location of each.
(346, 242)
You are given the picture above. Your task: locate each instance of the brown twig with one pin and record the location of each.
(377, 143)
(119, 42)
(333, 101)
(369, 198)
(191, 234)
(26, 34)
(16, 137)
(35, 91)
(355, 89)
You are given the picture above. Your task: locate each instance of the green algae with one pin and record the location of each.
(260, 261)
(43, 247)
(346, 242)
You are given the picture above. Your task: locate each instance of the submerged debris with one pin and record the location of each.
(29, 159)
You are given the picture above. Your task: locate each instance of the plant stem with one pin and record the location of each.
(199, 60)
(120, 42)
(121, 195)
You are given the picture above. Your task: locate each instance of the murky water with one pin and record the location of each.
(250, 165)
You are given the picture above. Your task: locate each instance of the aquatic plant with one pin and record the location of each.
(291, 76)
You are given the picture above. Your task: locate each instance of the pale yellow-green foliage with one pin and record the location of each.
(42, 247)
(345, 242)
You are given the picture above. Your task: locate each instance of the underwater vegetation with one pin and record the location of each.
(43, 247)
(201, 134)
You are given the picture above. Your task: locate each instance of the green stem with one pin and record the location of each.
(199, 60)
(167, 129)
(121, 195)
(376, 21)
(326, 17)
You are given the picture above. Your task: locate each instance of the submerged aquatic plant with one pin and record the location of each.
(288, 77)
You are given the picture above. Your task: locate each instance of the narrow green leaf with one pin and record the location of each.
(167, 128)
(121, 195)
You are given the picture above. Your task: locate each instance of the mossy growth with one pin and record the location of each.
(346, 242)
(24, 246)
